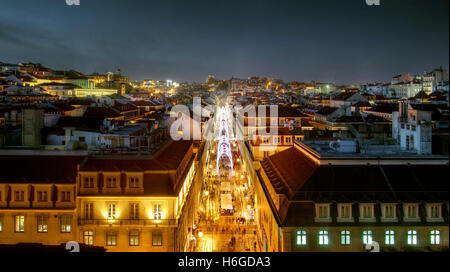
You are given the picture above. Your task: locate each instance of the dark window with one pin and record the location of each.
(156, 238)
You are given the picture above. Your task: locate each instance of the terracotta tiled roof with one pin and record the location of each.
(421, 94)
(169, 159)
(343, 96)
(385, 108)
(362, 104)
(291, 168)
(101, 112)
(326, 111)
(119, 107)
(40, 169)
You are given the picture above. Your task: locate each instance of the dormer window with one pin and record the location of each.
(111, 182)
(42, 196)
(134, 182)
(345, 213)
(434, 213)
(19, 196)
(323, 213)
(65, 196)
(389, 213)
(88, 182)
(367, 213)
(411, 213)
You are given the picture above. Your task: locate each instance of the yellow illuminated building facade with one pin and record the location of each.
(134, 205)
(33, 209)
(93, 92)
(121, 204)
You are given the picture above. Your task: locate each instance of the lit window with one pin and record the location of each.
(390, 237)
(111, 238)
(1, 222)
(345, 237)
(301, 238)
(19, 223)
(65, 223)
(323, 237)
(435, 237)
(88, 237)
(412, 237)
(134, 238)
(42, 223)
(112, 211)
(367, 237)
(157, 211)
(156, 238)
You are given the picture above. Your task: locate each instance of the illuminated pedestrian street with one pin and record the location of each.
(226, 214)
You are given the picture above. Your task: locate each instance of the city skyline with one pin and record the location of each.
(239, 127)
(172, 40)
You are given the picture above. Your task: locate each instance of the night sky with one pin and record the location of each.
(342, 41)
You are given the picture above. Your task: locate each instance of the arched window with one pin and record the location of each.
(345, 237)
(323, 237)
(88, 237)
(435, 237)
(301, 238)
(412, 237)
(390, 237)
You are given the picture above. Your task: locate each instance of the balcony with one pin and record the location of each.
(127, 222)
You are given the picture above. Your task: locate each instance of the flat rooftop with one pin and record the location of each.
(348, 150)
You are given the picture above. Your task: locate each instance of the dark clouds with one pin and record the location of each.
(342, 41)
